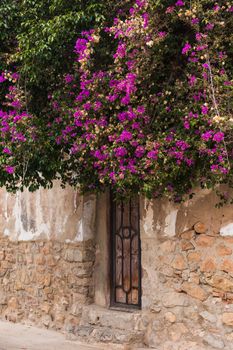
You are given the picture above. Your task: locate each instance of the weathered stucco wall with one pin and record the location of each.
(47, 256)
(54, 260)
(187, 269)
(60, 214)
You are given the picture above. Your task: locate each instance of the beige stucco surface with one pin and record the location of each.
(166, 219)
(57, 213)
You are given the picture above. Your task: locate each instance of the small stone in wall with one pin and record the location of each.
(166, 270)
(39, 259)
(223, 250)
(205, 241)
(59, 319)
(172, 299)
(214, 341)
(199, 227)
(176, 331)
(188, 235)
(44, 280)
(208, 316)
(191, 313)
(194, 257)
(228, 240)
(208, 265)
(179, 262)
(73, 255)
(46, 320)
(194, 291)
(185, 245)
(3, 298)
(45, 307)
(168, 246)
(221, 283)
(227, 266)
(185, 276)
(10, 258)
(170, 317)
(227, 318)
(18, 285)
(50, 260)
(155, 309)
(229, 337)
(13, 303)
(194, 278)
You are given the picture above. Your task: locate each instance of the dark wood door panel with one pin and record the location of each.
(125, 254)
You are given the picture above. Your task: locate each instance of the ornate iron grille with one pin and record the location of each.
(126, 254)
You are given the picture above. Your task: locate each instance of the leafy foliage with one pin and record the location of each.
(147, 106)
(38, 37)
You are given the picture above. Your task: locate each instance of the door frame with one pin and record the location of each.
(112, 251)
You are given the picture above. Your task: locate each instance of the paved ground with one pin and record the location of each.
(20, 337)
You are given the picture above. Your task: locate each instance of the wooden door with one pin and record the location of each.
(125, 254)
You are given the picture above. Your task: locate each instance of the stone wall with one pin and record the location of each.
(47, 255)
(187, 268)
(54, 261)
(45, 283)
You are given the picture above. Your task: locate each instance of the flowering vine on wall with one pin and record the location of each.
(155, 117)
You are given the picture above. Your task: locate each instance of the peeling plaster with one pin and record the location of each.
(86, 224)
(29, 233)
(227, 230)
(148, 220)
(56, 213)
(170, 223)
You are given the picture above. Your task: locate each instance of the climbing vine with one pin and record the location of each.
(148, 105)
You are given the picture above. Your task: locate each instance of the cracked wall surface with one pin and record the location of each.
(54, 260)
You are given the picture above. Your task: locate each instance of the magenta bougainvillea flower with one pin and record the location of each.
(154, 116)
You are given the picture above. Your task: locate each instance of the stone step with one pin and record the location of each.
(96, 334)
(110, 326)
(117, 319)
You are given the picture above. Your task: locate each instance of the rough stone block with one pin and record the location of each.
(208, 265)
(208, 316)
(227, 318)
(3, 298)
(172, 299)
(2, 255)
(194, 291)
(188, 235)
(170, 317)
(227, 266)
(215, 342)
(179, 262)
(73, 255)
(176, 331)
(205, 241)
(185, 245)
(200, 227)
(46, 320)
(194, 277)
(194, 257)
(221, 282)
(168, 246)
(39, 259)
(223, 250)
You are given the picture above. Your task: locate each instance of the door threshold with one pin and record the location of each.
(124, 309)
